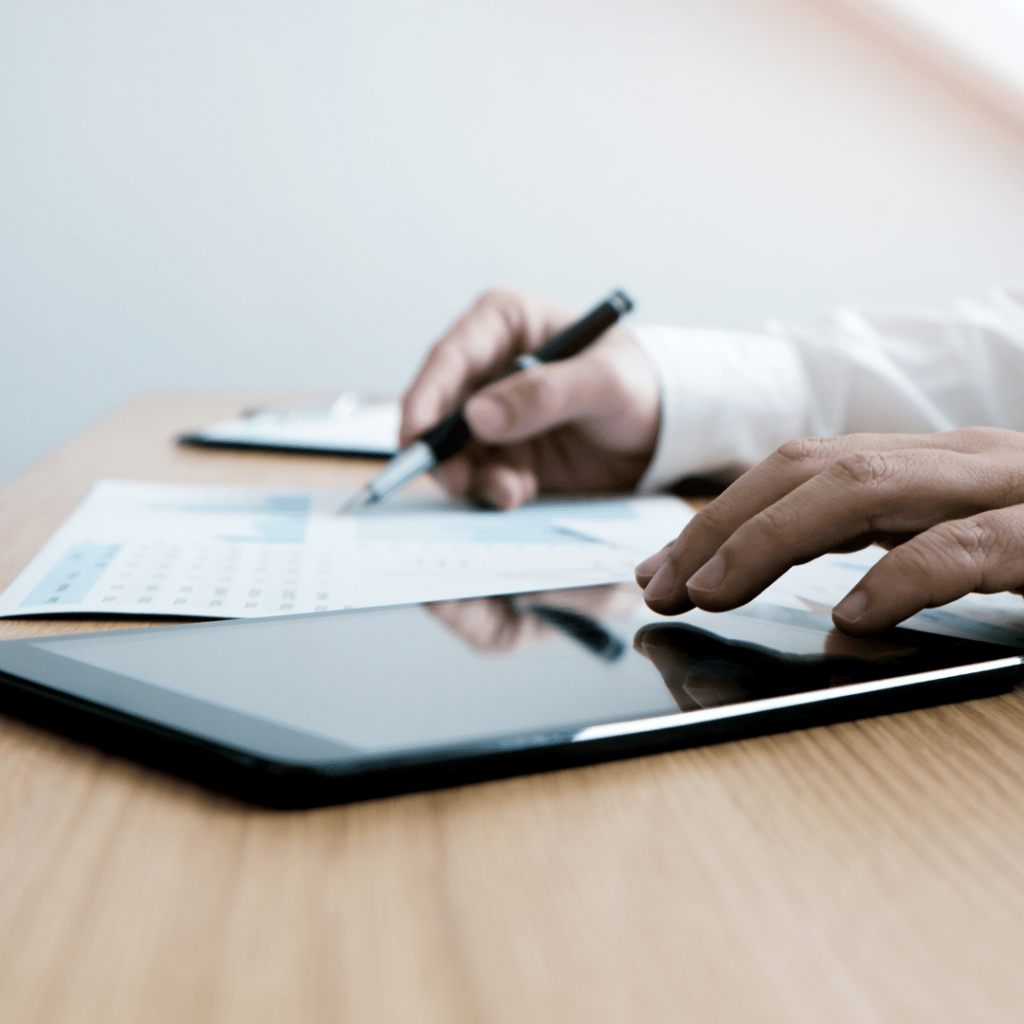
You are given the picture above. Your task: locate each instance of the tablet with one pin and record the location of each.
(313, 709)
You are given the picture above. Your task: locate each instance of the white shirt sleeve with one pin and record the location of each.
(729, 399)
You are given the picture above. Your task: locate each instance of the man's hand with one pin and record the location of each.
(588, 423)
(950, 507)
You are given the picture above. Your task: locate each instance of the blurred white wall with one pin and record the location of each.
(217, 193)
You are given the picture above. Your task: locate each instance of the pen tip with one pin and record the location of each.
(358, 500)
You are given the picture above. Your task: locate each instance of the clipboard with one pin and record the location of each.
(352, 425)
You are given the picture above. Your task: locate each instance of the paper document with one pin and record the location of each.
(824, 582)
(239, 552)
(662, 521)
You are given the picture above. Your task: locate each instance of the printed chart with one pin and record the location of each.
(164, 549)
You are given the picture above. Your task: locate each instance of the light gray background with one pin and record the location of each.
(212, 193)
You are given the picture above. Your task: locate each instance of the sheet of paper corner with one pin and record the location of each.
(224, 552)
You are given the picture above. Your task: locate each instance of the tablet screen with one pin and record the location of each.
(388, 680)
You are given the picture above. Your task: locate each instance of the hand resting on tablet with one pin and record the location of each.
(949, 507)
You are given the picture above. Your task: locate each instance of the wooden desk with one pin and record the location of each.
(868, 872)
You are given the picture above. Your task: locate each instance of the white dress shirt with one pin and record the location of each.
(729, 399)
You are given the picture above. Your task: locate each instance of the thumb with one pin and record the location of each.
(533, 401)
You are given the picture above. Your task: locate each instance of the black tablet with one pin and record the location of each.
(312, 709)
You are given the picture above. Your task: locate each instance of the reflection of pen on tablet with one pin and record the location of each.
(589, 632)
(453, 432)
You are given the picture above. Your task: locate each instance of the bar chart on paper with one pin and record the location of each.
(165, 549)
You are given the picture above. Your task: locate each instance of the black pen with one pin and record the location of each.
(453, 432)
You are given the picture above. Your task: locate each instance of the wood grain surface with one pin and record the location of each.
(864, 872)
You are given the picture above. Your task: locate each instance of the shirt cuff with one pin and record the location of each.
(728, 400)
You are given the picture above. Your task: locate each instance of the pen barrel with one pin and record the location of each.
(448, 436)
(580, 334)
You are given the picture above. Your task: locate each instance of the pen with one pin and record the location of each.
(453, 432)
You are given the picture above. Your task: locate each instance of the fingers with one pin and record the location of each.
(982, 553)
(504, 480)
(814, 496)
(799, 461)
(588, 423)
(649, 566)
(664, 575)
(863, 493)
(536, 400)
(610, 391)
(481, 344)
(506, 485)
(456, 475)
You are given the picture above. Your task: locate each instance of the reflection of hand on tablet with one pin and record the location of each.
(503, 624)
(702, 670)
(694, 681)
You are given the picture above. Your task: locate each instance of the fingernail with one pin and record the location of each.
(709, 576)
(650, 564)
(851, 608)
(486, 416)
(660, 584)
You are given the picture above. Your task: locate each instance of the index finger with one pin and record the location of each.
(793, 464)
(480, 345)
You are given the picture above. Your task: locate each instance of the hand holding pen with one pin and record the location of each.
(582, 424)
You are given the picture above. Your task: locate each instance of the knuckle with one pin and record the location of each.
(498, 297)
(504, 304)
(774, 521)
(715, 519)
(491, 298)
(805, 449)
(960, 545)
(448, 347)
(982, 434)
(449, 362)
(866, 469)
(538, 389)
(983, 438)
(970, 537)
(1010, 490)
(529, 396)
